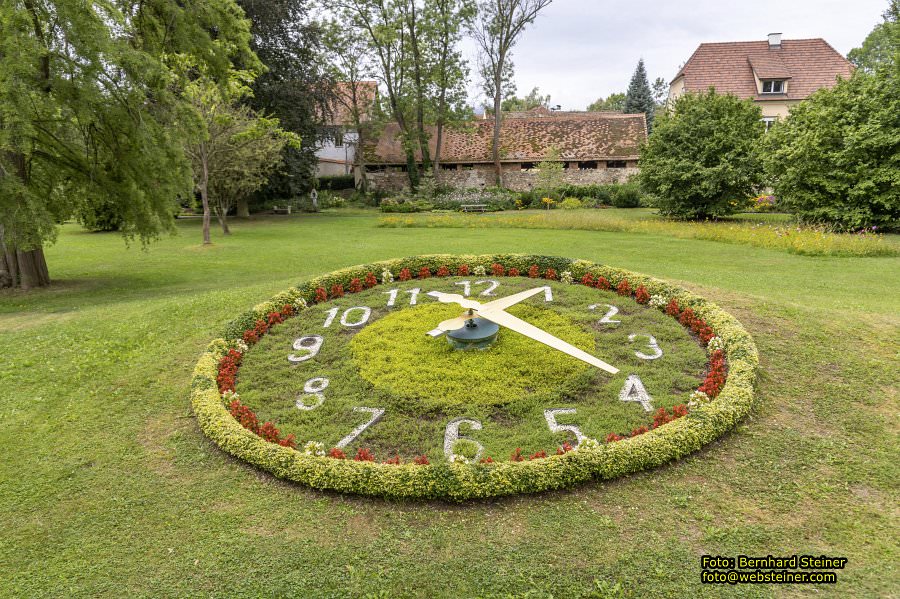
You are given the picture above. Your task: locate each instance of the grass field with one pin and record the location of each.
(109, 488)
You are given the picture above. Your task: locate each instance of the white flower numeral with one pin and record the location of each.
(548, 294)
(310, 344)
(376, 413)
(394, 293)
(467, 287)
(492, 285)
(652, 344)
(555, 427)
(363, 318)
(451, 436)
(392, 297)
(312, 389)
(607, 318)
(634, 391)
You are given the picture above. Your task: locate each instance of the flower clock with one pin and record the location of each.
(461, 377)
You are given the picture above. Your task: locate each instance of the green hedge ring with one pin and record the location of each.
(727, 398)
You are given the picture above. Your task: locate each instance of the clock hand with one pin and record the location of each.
(499, 304)
(511, 300)
(529, 330)
(455, 298)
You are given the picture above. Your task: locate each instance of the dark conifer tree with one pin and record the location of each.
(640, 97)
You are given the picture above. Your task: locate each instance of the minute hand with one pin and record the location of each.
(529, 330)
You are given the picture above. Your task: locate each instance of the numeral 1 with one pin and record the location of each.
(376, 413)
(413, 295)
(467, 287)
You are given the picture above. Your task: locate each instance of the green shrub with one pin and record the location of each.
(337, 182)
(703, 155)
(570, 204)
(627, 195)
(835, 160)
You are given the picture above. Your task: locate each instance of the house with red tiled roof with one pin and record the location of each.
(336, 151)
(776, 74)
(594, 147)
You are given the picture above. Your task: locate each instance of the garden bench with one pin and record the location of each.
(474, 207)
(285, 210)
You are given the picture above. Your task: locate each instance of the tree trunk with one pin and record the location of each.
(243, 209)
(204, 198)
(222, 215)
(22, 269)
(438, 139)
(498, 169)
(362, 182)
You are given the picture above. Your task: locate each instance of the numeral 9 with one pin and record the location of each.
(309, 345)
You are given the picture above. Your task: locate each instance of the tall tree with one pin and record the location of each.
(446, 21)
(380, 23)
(613, 103)
(91, 112)
(496, 30)
(419, 58)
(237, 150)
(882, 44)
(639, 97)
(295, 88)
(352, 67)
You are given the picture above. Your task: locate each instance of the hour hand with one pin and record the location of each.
(455, 298)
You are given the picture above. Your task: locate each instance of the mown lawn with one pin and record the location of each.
(109, 489)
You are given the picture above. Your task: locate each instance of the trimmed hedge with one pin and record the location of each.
(457, 481)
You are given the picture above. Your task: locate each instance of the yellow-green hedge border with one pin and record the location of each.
(456, 481)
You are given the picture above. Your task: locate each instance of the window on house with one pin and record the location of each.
(615, 164)
(375, 168)
(769, 121)
(527, 166)
(448, 167)
(775, 86)
(588, 165)
(468, 167)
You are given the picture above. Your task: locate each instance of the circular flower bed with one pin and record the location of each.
(722, 399)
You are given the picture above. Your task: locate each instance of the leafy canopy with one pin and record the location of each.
(836, 159)
(702, 160)
(91, 111)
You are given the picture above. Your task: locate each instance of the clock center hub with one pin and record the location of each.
(477, 333)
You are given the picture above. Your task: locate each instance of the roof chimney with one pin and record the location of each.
(774, 40)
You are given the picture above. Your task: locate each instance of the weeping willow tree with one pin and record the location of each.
(92, 114)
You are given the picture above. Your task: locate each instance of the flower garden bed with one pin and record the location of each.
(722, 399)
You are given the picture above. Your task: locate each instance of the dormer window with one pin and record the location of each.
(773, 86)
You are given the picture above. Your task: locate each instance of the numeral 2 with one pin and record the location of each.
(607, 318)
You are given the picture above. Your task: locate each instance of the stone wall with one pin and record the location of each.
(513, 177)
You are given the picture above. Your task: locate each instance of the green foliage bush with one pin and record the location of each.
(336, 182)
(405, 205)
(703, 156)
(627, 195)
(836, 159)
(571, 204)
(461, 481)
